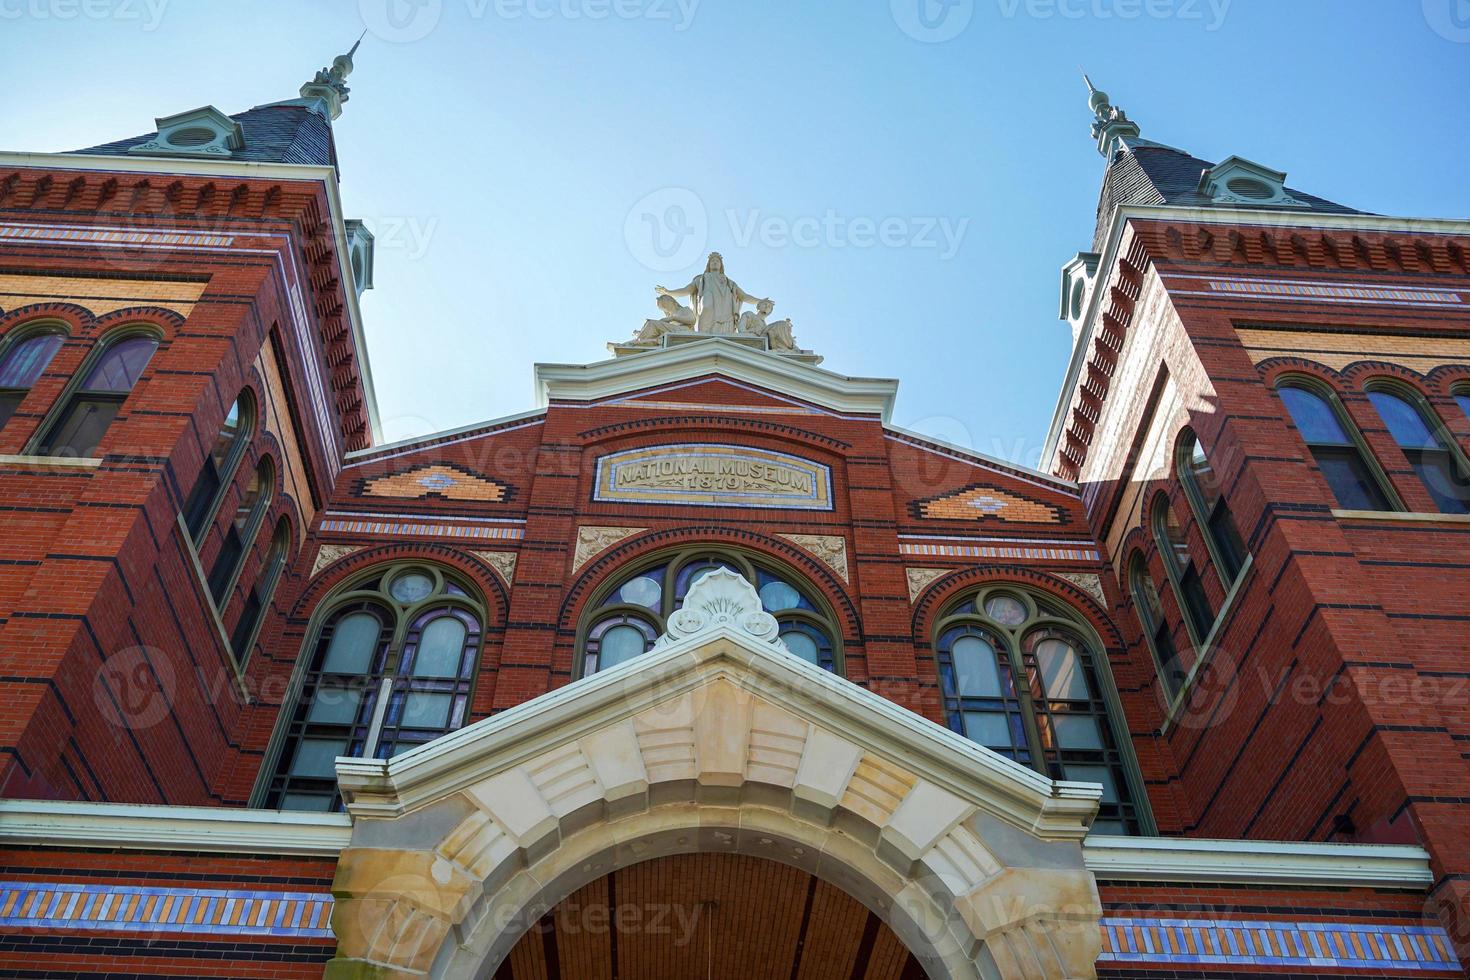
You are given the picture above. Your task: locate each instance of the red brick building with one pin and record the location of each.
(701, 663)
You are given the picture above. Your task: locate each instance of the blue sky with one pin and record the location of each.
(904, 187)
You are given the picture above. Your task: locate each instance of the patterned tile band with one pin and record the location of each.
(425, 530)
(955, 550)
(121, 237)
(123, 908)
(1297, 290)
(1362, 946)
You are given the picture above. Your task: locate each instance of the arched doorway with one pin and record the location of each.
(718, 742)
(710, 915)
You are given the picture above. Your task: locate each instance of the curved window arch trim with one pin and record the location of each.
(1061, 713)
(1185, 580)
(369, 696)
(1213, 516)
(671, 571)
(1373, 470)
(1452, 494)
(221, 462)
(43, 441)
(256, 500)
(20, 370)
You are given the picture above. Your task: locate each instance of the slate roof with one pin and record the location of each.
(282, 132)
(1145, 173)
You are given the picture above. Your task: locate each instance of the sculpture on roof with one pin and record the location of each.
(717, 298)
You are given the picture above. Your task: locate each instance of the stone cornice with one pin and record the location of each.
(1169, 859)
(1007, 790)
(1120, 275)
(48, 823)
(715, 356)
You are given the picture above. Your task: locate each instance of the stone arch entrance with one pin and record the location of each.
(710, 915)
(720, 742)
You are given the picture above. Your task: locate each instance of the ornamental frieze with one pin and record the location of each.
(714, 476)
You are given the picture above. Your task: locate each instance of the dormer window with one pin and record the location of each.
(1240, 181)
(1078, 278)
(204, 132)
(360, 254)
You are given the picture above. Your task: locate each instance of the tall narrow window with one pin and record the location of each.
(390, 668)
(1184, 572)
(254, 502)
(259, 597)
(1172, 669)
(1202, 487)
(90, 409)
(21, 364)
(1335, 448)
(1419, 435)
(1018, 678)
(219, 466)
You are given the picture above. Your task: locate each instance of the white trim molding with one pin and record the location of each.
(52, 823)
(1184, 859)
(715, 356)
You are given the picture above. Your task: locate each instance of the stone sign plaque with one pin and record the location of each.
(714, 476)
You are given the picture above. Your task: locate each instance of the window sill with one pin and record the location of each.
(1411, 517)
(1207, 648)
(58, 462)
(219, 624)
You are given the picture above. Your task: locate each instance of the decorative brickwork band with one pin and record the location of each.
(441, 480)
(197, 911)
(986, 503)
(1359, 946)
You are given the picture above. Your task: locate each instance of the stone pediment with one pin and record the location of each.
(723, 356)
(721, 657)
(720, 741)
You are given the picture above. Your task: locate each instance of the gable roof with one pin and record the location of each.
(281, 132)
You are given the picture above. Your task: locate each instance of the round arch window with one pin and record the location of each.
(389, 666)
(1022, 675)
(629, 613)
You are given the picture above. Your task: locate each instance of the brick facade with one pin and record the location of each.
(1334, 704)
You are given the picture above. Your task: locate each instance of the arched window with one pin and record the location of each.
(628, 615)
(389, 668)
(1173, 671)
(254, 502)
(1020, 677)
(78, 428)
(1184, 573)
(1335, 446)
(1420, 434)
(219, 466)
(1202, 487)
(1462, 398)
(259, 597)
(21, 363)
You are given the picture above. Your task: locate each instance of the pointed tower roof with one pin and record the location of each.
(295, 131)
(1143, 172)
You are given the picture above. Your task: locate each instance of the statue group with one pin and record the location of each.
(717, 304)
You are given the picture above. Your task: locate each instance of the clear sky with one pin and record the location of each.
(903, 177)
